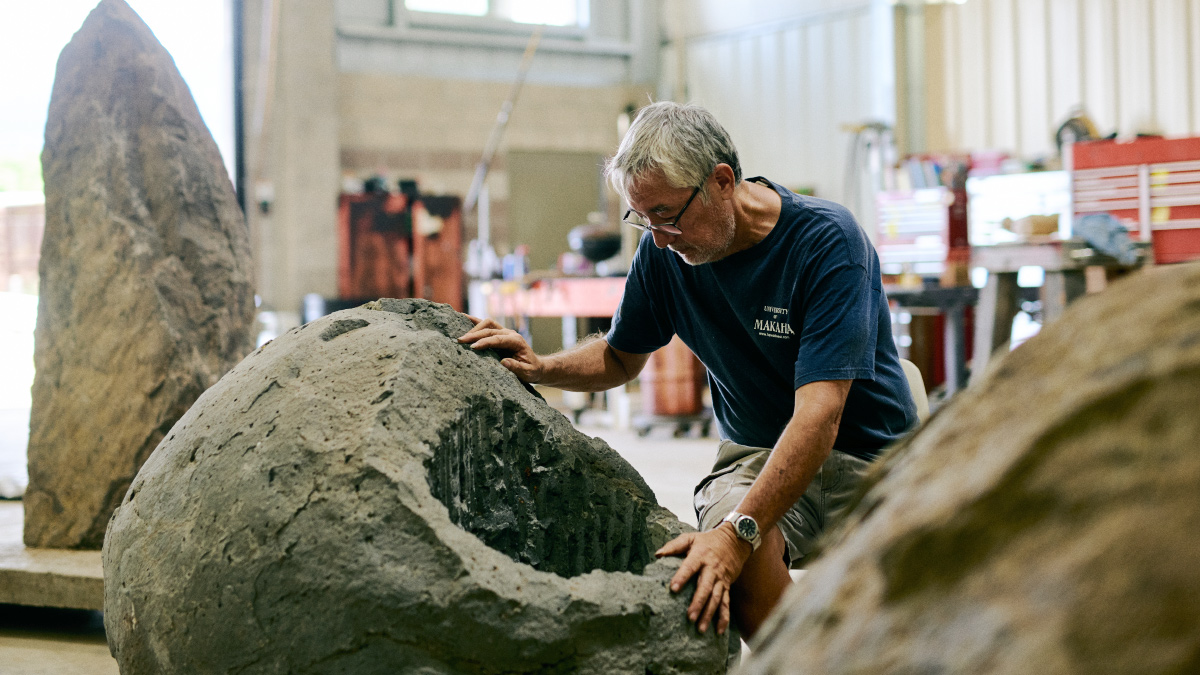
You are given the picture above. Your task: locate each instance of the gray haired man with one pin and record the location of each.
(780, 297)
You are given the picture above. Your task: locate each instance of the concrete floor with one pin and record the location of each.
(39, 641)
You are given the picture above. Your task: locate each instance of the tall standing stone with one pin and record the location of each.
(146, 279)
(1045, 521)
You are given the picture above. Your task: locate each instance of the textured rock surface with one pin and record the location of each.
(146, 295)
(365, 495)
(1046, 521)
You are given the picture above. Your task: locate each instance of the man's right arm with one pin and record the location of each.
(591, 366)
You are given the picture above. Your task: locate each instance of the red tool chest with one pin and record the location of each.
(1150, 184)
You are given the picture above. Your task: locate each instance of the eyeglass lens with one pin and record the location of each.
(670, 227)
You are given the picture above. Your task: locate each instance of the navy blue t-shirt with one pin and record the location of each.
(804, 304)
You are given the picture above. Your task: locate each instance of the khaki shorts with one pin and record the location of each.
(824, 501)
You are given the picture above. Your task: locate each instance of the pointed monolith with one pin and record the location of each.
(146, 285)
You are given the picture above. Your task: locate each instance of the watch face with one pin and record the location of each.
(747, 528)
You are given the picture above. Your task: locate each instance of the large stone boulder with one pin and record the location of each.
(1045, 521)
(146, 283)
(366, 495)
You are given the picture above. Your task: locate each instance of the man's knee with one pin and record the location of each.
(766, 567)
(763, 581)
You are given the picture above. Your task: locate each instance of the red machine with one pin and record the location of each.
(1150, 184)
(395, 246)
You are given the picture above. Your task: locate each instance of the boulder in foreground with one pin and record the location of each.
(1045, 521)
(366, 495)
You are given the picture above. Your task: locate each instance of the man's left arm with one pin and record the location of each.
(717, 556)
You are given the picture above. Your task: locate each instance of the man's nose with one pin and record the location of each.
(662, 239)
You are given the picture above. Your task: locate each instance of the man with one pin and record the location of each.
(780, 297)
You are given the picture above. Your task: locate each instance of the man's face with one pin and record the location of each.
(706, 228)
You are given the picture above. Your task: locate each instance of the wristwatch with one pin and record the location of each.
(746, 528)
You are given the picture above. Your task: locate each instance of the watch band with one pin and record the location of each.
(746, 528)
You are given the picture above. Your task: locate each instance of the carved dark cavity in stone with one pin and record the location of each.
(536, 505)
(413, 495)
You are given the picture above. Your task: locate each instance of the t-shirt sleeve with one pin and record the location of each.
(640, 325)
(837, 341)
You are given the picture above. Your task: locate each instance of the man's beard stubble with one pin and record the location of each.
(701, 253)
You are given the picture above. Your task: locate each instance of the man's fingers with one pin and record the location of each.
(478, 332)
(511, 342)
(710, 556)
(714, 603)
(723, 618)
(484, 325)
(677, 546)
(685, 572)
(501, 339)
(522, 370)
(704, 591)
(487, 334)
(485, 337)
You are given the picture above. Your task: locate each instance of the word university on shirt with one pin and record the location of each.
(775, 329)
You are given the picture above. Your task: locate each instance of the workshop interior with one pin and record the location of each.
(1027, 172)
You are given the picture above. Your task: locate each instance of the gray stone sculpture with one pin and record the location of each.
(366, 495)
(146, 281)
(1046, 521)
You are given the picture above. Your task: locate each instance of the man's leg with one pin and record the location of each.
(765, 578)
(763, 582)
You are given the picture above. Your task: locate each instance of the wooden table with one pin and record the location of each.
(952, 304)
(1064, 262)
(569, 298)
(566, 297)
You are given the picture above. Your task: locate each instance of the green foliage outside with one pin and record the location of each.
(19, 173)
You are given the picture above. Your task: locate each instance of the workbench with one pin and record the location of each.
(1065, 264)
(569, 298)
(952, 304)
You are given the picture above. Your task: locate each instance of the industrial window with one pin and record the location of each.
(548, 12)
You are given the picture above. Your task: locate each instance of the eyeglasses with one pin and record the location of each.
(671, 227)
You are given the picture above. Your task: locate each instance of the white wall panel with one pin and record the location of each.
(952, 78)
(1135, 68)
(974, 100)
(1015, 68)
(794, 111)
(1000, 39)
(819, 154)
(1193, 61)
(1065, 51)
(1099, 74)
(1033, 75)
(786, 90)
(1169, 31)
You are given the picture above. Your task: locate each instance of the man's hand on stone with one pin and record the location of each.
(717, 556)
(487, 334)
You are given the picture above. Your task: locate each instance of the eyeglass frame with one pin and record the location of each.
(671, 227)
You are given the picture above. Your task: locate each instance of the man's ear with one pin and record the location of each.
(723, 175)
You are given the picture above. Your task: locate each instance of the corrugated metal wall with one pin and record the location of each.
(1014, 69)
(785, 90)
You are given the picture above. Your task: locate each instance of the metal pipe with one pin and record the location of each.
(493, 143)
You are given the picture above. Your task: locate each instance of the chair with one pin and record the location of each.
(916, 384)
